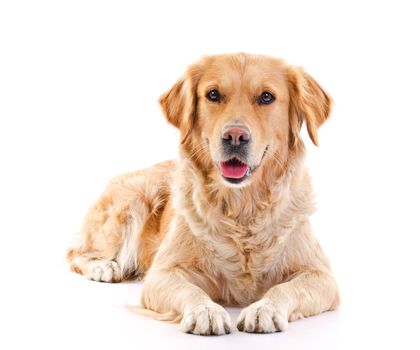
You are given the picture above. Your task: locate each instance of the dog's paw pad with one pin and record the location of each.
(261, 317)
(210, 319)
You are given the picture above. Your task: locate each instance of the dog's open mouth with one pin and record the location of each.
(234, 170)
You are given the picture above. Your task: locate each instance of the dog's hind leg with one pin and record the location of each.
(120, 234)
(107, 249)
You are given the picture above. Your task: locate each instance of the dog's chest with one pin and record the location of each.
(258, 260)
(248, 266)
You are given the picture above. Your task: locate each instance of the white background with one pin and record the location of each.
(79, 83)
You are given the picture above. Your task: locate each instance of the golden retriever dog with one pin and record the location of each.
(227, 223)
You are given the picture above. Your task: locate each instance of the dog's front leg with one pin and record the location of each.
(307, 293)
(170, 291)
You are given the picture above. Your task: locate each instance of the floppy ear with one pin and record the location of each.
(308, 101)
(179, 103)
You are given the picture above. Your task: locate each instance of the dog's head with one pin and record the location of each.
(241, 113)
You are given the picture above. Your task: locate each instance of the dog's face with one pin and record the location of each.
(242, 113)
(239, 113)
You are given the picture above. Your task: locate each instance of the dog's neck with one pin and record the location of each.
(204, 198)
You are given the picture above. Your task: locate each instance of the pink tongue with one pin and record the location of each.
(233, 170)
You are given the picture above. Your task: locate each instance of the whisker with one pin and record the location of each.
(198, 151)
(273, 156)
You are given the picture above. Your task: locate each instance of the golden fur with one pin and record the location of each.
(199, 241)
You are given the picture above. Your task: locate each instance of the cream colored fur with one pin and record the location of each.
(202, 243)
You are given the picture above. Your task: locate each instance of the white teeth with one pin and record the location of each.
(248, 172)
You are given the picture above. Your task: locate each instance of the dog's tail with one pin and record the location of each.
(171, 317)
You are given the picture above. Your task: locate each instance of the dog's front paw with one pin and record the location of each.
(261, 317)
(208, 319)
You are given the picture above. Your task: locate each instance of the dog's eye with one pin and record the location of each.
(213, 96)
(266, 98)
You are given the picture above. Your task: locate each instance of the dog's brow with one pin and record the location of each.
(211, 85)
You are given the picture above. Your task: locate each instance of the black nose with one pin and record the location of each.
(235, 136)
